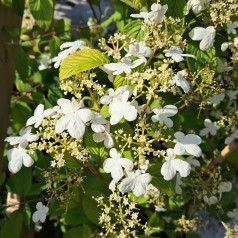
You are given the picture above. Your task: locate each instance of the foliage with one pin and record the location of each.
(131, 136)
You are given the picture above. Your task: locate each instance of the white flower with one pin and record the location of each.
(224, 46)
(173, 164)
(74, 118)
(222, 65)
(196, 5)
(232, 94)
(205, 35)
(187, 143)
(180, 81)
(135, 182)
(176, 53)
(156, 14)
(139, 50)
(216, 99)
(162, 114)
(210, 200)
(122, 108)
(231, 137)
(231, 27)
(124, 66)
(104, 136)
(192, 161)
(233, 214)
(115, 94)
(224, 187)
(72, 47)
(210, 128)
(39, 115)
(44, 62)
(18, 157)
(41, 213)
(25, 136)
(109, 73)
(115, 163)
(217, 114)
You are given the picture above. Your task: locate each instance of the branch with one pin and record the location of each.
(223, 156)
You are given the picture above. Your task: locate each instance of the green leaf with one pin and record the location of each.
(120, 81)
(157, 222)
(134, 30)
(12, 226)
(175, 8)
(20, 112)
(21, 182)
(21, 63)
(55, 43)
(204, 58)
(75, 216)
(27, 215)
(78, 232)
(90, 206)
(96, 150)
(158, 181)
(115, 17)
(177, 201)
(105, 111)
(136, 4)
(80, 61)
(71, 162)
(42, 12)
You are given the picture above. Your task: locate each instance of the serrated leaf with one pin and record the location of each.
(175, 8)
(204, 58)
(42, 11)
(90, 206)
(82, 60)
(71, 162)
(120, 81)
(96, 150)
(134, 30)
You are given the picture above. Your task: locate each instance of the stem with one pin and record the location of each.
(93, 97)
(151, 56)
(145, 107)
(222, 157)
(93, 11)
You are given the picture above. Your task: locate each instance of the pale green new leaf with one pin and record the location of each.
(80, 61)
(42, 12)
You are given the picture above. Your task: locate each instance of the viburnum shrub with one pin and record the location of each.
(137, 145)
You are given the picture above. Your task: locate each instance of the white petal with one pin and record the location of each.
(76, 127)
(39, 206)
(145, 178)
(179, 135)
(204, 132)
(206, 42)
(108, 164)
(84, 114)
(36, 216)
(130, 113)
(98, 137)
(139, 189)
(181, 166)
(170, 110)
(27, 160)
(115, 118)
(168, 122)
(39, 110)
(192, 139)
(126, 163)
(14, 140)
(168, 171)
(179, 149)
(108, 142)
(127, 185)
(62, 123)
(197, 33)
(193, 150)
(106, 99)
(113, 153)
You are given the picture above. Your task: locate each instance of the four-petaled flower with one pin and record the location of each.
(216, 99)
(25, 136)
(210, 128)
(176, 53)
(140, 50)
(124, 66)
(156, 14)
(72, 47)
(231, 137)
(41, 213)
(135, 182)
(18, 157)
(231, 27)
(74, 118)
(162, 114)
(173, 164)
(122, 108)
(39, 115)
(180, 81)
(187, 143)
(115, 163)
(206, 36)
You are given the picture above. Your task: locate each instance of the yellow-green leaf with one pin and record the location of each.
(80, 61)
